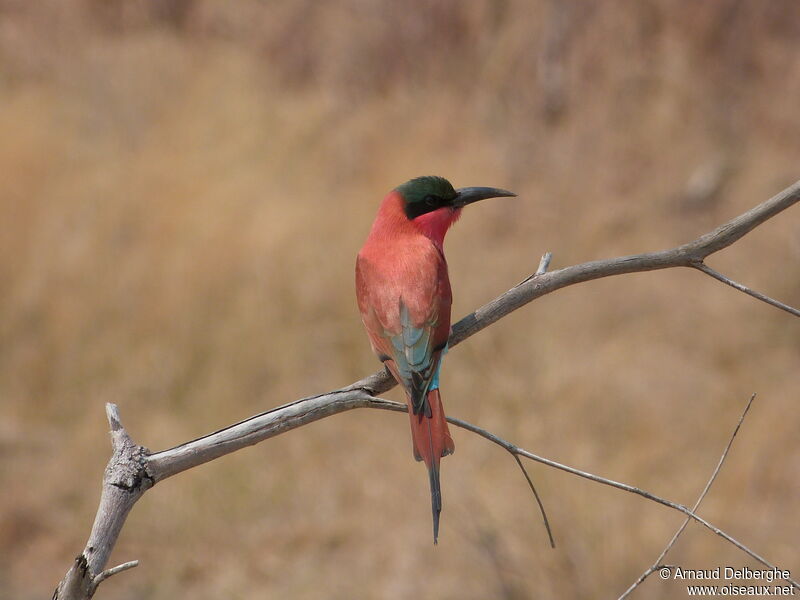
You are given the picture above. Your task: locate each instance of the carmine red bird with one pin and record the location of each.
(404, 297)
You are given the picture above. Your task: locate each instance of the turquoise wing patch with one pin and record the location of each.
(414, 358)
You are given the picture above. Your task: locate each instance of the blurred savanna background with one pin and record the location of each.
(184, 186)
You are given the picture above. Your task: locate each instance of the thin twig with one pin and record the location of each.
(743, 288)
(109, 572)
(538, 500)
(657, 564)
(544, 263)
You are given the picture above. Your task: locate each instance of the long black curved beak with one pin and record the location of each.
(468, 195)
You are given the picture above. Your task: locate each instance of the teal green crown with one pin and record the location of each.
(428, 186)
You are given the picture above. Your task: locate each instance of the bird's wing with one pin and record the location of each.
(416, 356)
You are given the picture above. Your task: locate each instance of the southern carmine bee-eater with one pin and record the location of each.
(404, 297)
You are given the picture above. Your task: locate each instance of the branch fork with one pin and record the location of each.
(124, 482)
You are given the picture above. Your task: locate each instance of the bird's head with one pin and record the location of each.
(426, 194)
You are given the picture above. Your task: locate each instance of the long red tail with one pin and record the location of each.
(432, 441)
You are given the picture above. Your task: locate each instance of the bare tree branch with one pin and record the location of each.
(516, 451)
(743, 288)
(132, 470)
(124, 483)
(687, 255)
(658, 564)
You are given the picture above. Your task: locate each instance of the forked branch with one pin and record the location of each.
(133, 470)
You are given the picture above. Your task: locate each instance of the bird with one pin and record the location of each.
(404, 297)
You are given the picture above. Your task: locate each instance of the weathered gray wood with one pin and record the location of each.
(133, 470)
(124, 482)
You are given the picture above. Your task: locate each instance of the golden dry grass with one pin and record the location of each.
(184, 190)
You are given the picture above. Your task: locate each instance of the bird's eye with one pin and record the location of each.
(431, 200)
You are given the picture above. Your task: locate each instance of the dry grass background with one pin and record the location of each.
(184, 187)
